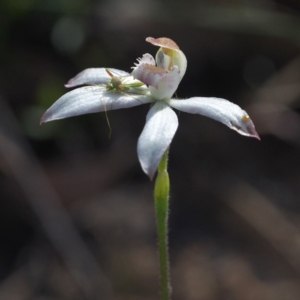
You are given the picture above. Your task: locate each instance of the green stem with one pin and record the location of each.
(161, 195)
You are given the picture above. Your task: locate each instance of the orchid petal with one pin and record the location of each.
(91, 99)
(220, 110)
(167, 85)
(161, 125)
(94, 76)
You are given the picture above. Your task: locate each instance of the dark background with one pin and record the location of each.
(76, 211)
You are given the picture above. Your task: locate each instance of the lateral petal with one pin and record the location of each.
(220, 110)
(91, 99)
(94, 76)
(160, 128)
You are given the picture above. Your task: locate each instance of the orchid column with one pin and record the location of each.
(152, 81)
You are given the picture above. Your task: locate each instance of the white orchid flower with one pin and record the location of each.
(152, 81)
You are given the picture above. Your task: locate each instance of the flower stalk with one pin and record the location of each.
(161, 197)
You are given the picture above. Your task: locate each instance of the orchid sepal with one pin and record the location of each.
(161, 125)
(220, 110)
(91, 99)
(94, 76)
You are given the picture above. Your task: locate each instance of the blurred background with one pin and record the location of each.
(76, 211)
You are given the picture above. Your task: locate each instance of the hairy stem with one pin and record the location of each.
(161, 195)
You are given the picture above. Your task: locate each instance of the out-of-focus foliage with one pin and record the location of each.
(76, 211)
